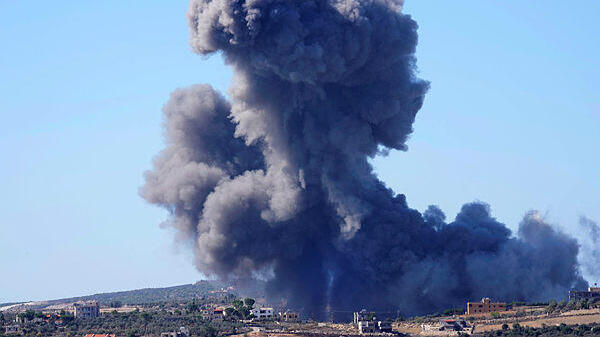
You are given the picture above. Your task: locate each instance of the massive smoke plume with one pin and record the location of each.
(276, 182)
(590, 248)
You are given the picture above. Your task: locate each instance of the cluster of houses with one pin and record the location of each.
(227, 290)
(51, 318)
(260, 314)
(367, 323)
(591, 293)
(364, 321)
(87, 309)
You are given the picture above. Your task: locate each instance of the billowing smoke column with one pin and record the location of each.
(590, 248)
(276, 183)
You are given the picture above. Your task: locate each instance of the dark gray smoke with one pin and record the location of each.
(277, 183)
(590, 248)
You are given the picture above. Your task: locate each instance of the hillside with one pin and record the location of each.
(151, 295)
(181, 293)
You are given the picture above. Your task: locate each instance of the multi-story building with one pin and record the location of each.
(263, 313)
(578, 295)
(367, 326)
(288, 316)
(366, 322)
(485, 306)
(359, 316)
(88, 309)
(12, 329)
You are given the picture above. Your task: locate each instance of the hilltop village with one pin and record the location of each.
(207, 310)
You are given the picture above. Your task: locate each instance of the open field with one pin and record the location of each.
(570, 318)
(410, 328)
(529, 316)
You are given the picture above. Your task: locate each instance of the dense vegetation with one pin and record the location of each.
(240, 309)
(562, 306)
(135, 323)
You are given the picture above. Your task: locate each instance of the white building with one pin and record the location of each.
(367, 326)
(12, 329)
(384, 326)
(263, 313)
(183, 332)
(88, 309)
(362, 315)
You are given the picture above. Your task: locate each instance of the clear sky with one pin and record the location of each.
(512, 118)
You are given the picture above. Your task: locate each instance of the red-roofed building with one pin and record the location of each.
(214, 313)
(99, 335)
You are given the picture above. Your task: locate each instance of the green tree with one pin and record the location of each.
(249, 302)
(244, 312)
(448, 312)
(192, 307)
(115, 304)
(237, 304)
(28, 315)
(562, 304)
(230, 312)
(66, 317)
(146, 316)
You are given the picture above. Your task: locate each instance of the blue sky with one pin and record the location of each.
(512, 118)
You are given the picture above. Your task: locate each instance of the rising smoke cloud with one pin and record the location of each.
(590, 247)
(276, 182)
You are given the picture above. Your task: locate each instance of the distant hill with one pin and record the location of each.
(182, 293)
